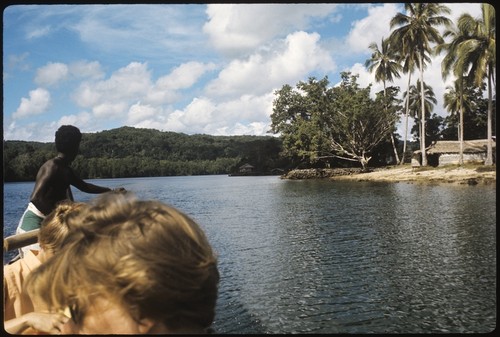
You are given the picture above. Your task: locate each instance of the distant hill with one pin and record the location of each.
(135, 152)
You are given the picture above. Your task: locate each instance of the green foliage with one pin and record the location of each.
(321, 123)
(133, 152)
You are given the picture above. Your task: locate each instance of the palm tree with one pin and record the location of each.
(383, 62)
(415, 104)
(456, 100)
(416, 32)
(477, 55)
(450, 62)
(408, 60)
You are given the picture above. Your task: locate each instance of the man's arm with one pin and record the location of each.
(88, 187)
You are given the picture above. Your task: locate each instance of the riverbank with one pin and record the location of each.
(468, 174)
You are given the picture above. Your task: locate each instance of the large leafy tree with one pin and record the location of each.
(297, 117)
(477, 56)
(416, 31)
(384, 64)
(317, 122)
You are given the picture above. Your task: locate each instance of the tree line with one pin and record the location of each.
(321, 123)
(133, 152)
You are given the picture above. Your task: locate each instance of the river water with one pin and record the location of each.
(320, 256)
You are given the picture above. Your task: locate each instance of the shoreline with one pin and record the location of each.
(468, 175)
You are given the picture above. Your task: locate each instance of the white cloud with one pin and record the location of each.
(140, 112)
(203, 115)
(51, 74)
(84, 69)
(236, 29)
(38, 32)
(371, 28)
(291, 61)
(127, 84)
(184, 76)
(37, 103)
(82, 119)
(110, 110)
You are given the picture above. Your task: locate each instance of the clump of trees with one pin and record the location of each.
(317, 122)
(131, 152)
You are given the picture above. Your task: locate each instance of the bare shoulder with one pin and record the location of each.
(50, 167)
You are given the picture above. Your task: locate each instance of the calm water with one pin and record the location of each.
(335, 257)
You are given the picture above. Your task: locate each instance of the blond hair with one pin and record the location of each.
(54, 228)
(145, 255)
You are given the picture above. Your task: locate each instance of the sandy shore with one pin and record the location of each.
(460, 175)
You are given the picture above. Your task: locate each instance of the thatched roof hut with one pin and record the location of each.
(246, 168)
(453, 146)
(448, 152)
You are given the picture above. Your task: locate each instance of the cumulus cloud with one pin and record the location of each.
(140, 112)
(296, 55)
(236, 29)
(248, 114)
(83, 120)
(184, 76)
(51, 74)
(128, 83)
(371, 28)
(84, 69)
(54, 73)
(37, 103)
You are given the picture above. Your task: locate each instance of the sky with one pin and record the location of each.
(190, 68)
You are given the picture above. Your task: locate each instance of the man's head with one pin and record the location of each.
(68, 139)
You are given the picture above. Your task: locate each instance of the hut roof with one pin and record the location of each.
(453, 146)
(246, 166)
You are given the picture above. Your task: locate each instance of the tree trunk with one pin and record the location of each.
(461, 130)
(406, 120)
(394, 148)
(392, 136)
(489, 148)
(422, 121)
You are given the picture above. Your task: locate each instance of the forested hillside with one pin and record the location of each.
(132, 152)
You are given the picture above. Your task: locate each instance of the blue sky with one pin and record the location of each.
(191, 68)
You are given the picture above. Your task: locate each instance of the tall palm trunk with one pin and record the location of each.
(392, 136)
(489, 148)
(407, 108)
(422, 120)
(461, 130)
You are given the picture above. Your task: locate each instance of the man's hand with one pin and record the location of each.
(51, 323)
